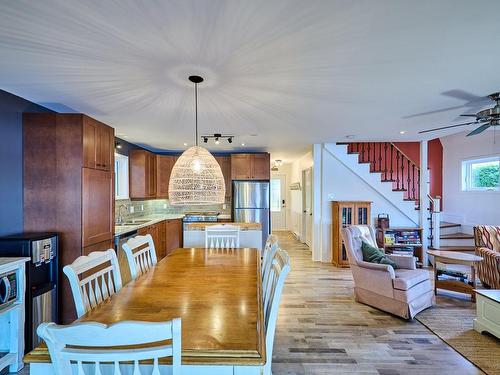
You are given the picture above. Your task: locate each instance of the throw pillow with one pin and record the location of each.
(374, 255)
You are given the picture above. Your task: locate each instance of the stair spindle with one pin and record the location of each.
(385, 160)
(380, 157)
(408, 180)
(413, 179)
(402, 172)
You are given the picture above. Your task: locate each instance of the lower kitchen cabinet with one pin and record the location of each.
(167, 236)
(174, 235)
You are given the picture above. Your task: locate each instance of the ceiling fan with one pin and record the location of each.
(484, 118)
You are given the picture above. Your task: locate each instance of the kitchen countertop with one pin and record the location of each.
(152, 219)
(243, 226)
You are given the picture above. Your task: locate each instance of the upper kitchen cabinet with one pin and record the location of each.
(225, 166)
(142, 174)
(164, 165)
(98, 144)
(250, 166)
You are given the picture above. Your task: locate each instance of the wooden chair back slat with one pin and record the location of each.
(88, 285)
(91, 346)
(222, 237)
(141, 254)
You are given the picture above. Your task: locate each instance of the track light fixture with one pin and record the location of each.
(217, 137)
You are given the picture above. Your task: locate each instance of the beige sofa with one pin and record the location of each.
(404, 292)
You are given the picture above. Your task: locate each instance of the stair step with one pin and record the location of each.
(455, 248)
(445, 224)
(457, 236)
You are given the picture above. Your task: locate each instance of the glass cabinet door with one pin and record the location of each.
(362, 218)
(347, 220)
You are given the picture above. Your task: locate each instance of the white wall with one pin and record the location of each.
(466, 207)
(337, 182)
(297, 166)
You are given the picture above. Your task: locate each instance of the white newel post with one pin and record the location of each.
(424, 200)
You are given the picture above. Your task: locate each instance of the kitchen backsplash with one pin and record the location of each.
(162, 206)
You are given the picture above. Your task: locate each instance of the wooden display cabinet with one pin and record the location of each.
(344, 214)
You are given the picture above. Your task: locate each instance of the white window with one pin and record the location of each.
(121, 176)
(481, 174)
(275, 195)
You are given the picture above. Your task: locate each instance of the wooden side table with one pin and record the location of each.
(454, 257)
(488, 312)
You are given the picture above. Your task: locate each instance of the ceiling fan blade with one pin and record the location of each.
(464, 95)
(431, 112)
(446, 127)
(481, 129)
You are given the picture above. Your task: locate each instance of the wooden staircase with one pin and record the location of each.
(395, 167)
(453, 239)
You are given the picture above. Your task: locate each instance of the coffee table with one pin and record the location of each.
(455, 257)
(488, 311)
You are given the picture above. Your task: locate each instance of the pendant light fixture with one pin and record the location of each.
(196, 177)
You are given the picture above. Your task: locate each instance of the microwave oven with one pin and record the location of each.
(8, 288)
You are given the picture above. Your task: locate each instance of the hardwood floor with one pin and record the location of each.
(322, 330)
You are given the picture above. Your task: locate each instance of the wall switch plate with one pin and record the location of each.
(142, 207)
(131, 209)
(164, 206)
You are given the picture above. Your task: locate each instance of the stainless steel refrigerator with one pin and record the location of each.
(251, 204)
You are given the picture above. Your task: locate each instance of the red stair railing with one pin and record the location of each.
(395, 166)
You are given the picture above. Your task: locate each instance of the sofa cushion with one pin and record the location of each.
(373, 254)
(406, 279)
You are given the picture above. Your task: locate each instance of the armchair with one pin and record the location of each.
(487, 241)
(403, 292)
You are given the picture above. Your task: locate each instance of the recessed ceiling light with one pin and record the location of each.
(243, 144)
(402, 132)
(125, 136)
(185, 144)
(349, 136)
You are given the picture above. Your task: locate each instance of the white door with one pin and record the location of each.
(278, 202)
(307, 206)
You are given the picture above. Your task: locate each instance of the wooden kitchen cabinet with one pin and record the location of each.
(164, 165)
(97, 206)
(174, 235)
(225, 166)
(68, 187)
(250, 166)
(344, 214)
(98, 145)
(142, 174)
(162, 239)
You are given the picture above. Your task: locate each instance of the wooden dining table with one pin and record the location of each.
(216, 293)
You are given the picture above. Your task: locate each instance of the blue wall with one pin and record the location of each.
(11, 160)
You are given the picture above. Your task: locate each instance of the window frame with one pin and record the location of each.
(466, 174)
(121, 177)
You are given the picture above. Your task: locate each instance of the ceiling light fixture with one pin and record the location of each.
(243, 144)
(196, 177)
(118, 145)
(402, 132)
(185, 144)
(216, 140)
(205, 139)
(230, 140)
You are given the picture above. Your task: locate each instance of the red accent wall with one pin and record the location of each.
(435, 161)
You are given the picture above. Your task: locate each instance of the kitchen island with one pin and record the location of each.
(250, 234)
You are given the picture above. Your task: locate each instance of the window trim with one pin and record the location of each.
(465, 173)
(121, 177)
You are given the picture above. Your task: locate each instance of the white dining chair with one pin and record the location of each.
(83, 347)
(141, 254)
(222, 236)
(270, 249)
(93, 278)
(280, 267)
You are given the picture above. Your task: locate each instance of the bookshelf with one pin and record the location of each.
(404, 241)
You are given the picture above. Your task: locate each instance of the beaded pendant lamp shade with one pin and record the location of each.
(196, 177)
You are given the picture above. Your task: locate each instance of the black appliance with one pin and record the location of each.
(8, 288)
(41, 279)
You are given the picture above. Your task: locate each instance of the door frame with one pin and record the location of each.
(305, 230)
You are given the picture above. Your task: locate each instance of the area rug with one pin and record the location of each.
(452, 322)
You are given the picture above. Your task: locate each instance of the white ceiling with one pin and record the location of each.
(290, 73)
